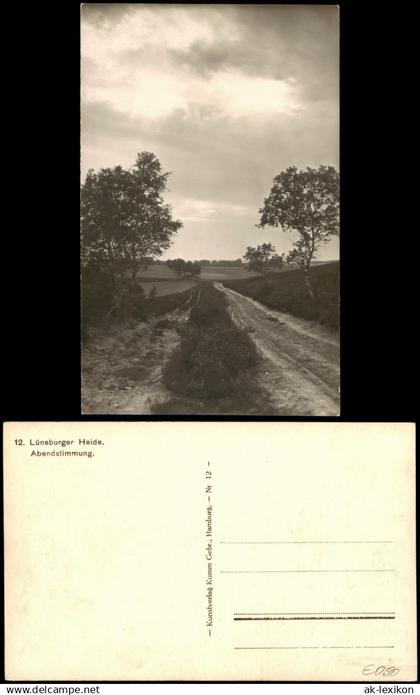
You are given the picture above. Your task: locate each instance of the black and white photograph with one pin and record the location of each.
(210, 209)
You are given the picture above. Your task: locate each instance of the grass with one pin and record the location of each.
(222, 272)
(227, 272)
(141, 307)
(157, 271)
(134, 372)
(161, 273)
(286, 292)
(137, 307)
(163, 286)
(215, 368)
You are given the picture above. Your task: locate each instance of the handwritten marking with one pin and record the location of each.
(380, 670)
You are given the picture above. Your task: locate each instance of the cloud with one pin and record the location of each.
(154, 94)
(193, 210)
(281, 42)
(105, 14)
(128, 63)
(225, 95)
(211, 155)
(242, 59)
(142, 26)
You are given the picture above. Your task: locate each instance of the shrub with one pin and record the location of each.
(215, 357)
(163, 323)
(96, 297)
(211, 308)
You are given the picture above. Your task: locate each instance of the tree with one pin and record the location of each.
(305, 202)
(125, 223)
(277, 261)
(260, 258)
(182, 267)
(236, 262)
(194, 267)
(178, 265)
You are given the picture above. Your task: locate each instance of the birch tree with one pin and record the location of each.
(305, 202)
(126, 224)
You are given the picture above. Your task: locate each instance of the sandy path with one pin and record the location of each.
(301, 359)
(122, 367)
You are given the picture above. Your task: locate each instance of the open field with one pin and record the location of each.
(161, 273)
(168, 282)
(224, 272)
(227, 272)
(164, 287)
(163, 279)
(157, 271)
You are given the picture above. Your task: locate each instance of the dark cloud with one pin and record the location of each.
(101, 14)
(280, 42)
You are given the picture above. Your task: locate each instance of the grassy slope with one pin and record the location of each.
(286, 292)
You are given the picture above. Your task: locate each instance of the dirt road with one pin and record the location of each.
(301, 359)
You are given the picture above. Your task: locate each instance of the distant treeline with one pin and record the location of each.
(204, 261)
(182, 268)
(236, 262)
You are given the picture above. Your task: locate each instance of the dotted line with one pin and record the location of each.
(326, 613)
(295, 571)
(319, 617)
(334, 647)
(294, 542)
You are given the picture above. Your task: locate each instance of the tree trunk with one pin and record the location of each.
(117, 302)
(308, 284)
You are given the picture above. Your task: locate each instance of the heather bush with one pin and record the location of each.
(216, 359)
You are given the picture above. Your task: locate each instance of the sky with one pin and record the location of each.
(226, 96)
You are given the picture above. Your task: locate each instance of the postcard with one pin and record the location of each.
(210, 551)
